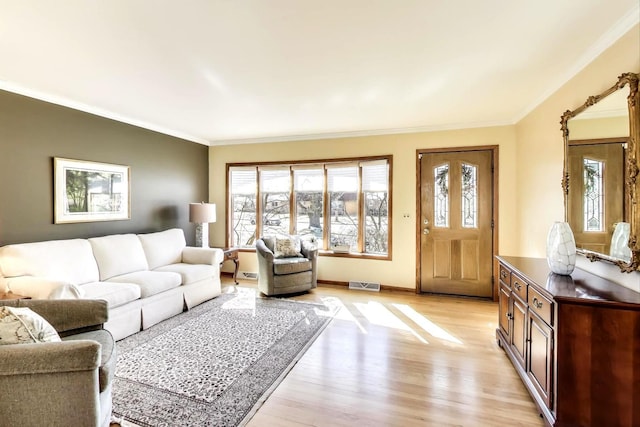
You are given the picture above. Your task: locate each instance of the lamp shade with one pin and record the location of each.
(202, 212)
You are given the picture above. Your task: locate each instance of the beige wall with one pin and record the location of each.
(400, 271)
(530, 169)
(539, 153)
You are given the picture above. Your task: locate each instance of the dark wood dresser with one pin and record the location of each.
(574, 341)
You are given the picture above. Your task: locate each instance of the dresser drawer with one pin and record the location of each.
(541, 306)
(505, 275)
(519, 287)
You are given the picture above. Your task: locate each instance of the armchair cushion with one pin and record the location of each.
(22, 326)
(291, 265)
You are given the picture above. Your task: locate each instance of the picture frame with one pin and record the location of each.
(86, 191)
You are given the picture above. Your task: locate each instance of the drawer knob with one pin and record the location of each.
(518, 286)
(537, 303)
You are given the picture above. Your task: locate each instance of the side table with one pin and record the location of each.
(231, 254)
(11, 295)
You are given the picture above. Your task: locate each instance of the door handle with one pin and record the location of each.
(425, 231)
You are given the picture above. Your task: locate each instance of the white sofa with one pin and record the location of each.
(144, 278)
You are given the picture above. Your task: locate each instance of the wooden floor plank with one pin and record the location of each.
(398, 359)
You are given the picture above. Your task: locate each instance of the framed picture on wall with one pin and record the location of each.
(88, 191)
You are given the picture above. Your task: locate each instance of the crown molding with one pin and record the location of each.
(360, 133)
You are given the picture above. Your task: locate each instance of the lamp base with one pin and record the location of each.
(202, 234)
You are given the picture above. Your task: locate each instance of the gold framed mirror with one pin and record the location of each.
(600, 180)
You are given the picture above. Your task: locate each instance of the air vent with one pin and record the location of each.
(364, 286)
(247, 275)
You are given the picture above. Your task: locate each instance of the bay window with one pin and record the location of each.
(343, 204)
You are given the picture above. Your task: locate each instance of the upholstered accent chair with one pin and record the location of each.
(286, 265)
(65, 383)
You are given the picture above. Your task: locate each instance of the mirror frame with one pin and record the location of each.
(631, 172)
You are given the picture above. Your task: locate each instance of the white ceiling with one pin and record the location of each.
(232, 71)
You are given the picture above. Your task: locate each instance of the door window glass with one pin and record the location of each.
(593, 195)
(441, 196)
(469, 196)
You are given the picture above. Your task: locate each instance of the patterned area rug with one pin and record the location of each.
(215, 364)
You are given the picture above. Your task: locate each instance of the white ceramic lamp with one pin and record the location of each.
(202, 214)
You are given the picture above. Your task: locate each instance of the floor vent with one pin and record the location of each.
(247, 275)
(364, 286)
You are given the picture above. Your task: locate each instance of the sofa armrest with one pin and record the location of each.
(265, 266)
(309, 250)
(49, 357)
(41, 288)
(263, 251)
(209, 256)
(68, 316)
(50, 383)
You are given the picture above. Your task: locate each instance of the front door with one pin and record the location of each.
(456, 214)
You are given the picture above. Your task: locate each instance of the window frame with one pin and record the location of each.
(322, 163)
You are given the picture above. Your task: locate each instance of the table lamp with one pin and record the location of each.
(202, 214)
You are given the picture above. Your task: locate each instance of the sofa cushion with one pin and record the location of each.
(21, 325)
(191, 273)
(107, 354)
(118, 254)
(69, 261)
(163, 247)
(115, 294)
(150, 282)
(290, 265)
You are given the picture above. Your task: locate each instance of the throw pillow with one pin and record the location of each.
(21, 325)
(287, 247)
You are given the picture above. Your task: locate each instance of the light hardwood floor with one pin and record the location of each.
(400, 359)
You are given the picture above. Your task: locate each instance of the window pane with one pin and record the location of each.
(342, 184)
(275, 217)
(308, 188)
(375, 176)
(593, 195)
(309, 216)
(274, 180)
(275, 191)
(441, 196)
(343, 226)
(377, 222)
(342, 179)
(469, 196)
(375, 185)
(308, 180)
(243, 202)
